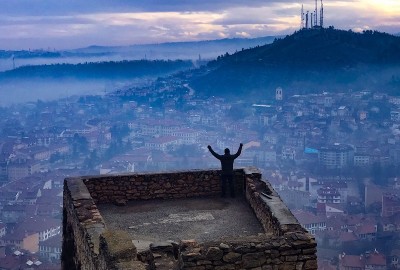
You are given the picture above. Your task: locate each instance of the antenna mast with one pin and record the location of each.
(307, 20)
(321, 16)
(316, 13)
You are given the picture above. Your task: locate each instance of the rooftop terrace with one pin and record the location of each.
(176, 220)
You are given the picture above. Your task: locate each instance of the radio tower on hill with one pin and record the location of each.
(302, 18)
(316, 13)
(313, 17)
(321, 16)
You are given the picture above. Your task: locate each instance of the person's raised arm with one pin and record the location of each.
(239, 151)
(213, 152)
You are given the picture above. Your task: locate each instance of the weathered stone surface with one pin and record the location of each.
(287, 266)
(232, 257)
(223, 246)
(253, 259)
(311, 264)
(118, 245)
(266, 267)
(214, 254)
(225, 267)
(309, 251)
(299, 265)
(192, 256)
(204, 262)
(190, 243)
(162, 246)
(120, 202)
(291, 258)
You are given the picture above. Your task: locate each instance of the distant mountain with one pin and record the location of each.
(169, 50)
(308, 61)
(208, 49)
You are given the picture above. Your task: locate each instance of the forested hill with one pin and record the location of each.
(109, 70)
(308, 61)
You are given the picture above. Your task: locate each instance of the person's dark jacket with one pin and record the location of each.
(226, 160)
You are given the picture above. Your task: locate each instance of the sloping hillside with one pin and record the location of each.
(308, 61)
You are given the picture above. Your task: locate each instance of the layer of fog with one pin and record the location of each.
(20, 91)
(9, 63)
(179, 50)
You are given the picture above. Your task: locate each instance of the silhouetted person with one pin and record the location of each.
(227, 168)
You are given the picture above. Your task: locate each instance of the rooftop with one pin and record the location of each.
(202, 219)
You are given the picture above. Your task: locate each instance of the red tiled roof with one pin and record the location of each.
(38, 224)
(375, 258)
(366, 229)
(352, 261)
(9, 262)
(347, 237)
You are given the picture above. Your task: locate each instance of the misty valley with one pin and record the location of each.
(318, 112)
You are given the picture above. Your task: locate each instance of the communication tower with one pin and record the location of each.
(313, 16)
(307, 20)
(321, 16)
(316, 14)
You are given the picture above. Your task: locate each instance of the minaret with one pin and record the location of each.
(279, 93)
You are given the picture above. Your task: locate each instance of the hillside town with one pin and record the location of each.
(333, 158)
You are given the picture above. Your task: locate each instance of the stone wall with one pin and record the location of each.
(292, 251)
(87, 244)
(168, 185)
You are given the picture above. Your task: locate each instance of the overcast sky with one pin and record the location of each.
(66, 24)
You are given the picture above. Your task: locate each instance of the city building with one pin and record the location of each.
(336, 156)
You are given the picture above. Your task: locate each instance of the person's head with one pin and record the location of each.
(227, 152)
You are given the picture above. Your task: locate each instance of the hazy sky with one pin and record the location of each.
(64, 24)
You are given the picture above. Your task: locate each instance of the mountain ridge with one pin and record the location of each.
(309, 60)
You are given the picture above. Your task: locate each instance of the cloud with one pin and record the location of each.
(75, 23)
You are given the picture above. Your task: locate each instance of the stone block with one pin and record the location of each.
(225, 267)
(117, 245)
(214, 254)
(287, 266)
(252, 260)
(204, 262)
(291, 258)
(232, 257)
(308, 251)
(311, 265)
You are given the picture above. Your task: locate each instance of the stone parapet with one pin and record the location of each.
(88, 244)
(291, 251)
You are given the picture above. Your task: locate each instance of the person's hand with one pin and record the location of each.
(241, 144)
(209, 146)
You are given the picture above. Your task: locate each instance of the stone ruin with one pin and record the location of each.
(90, 243)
